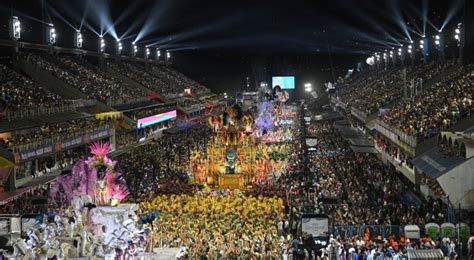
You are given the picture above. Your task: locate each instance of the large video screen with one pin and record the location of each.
(315, 226)
(151, 120)
(285, 82)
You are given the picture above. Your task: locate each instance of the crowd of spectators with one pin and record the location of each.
(86, 77)
(370, 91)
(177, 79)
(54, 130)
(438, 107)
(138, 73)
(164, 160)
(366, 191)
(391, 247)
(18, 92)
(28, 202)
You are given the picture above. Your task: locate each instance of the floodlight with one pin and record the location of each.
(134, 49)
(437, 37)
(101, 44)
(78, 39)
(147, 53)
(457, 31)
(437, 42)
(51, 34)
(15, 28)
(168, 55)
(119, 47)
(158, 54)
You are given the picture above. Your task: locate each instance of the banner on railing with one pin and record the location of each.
(433, 230)
(68, 143)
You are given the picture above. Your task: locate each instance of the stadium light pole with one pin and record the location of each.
(401, 56)
(158, 54)
(51, 35)
(78, 39)
(439, 43)
(411, 53)
(101, 44)
(134, 50)
(459, 37)
(424, 49)
(15, 28)
(147, 53)
(119, 48)
(393, 58)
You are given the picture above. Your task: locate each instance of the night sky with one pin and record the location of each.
(220, 43)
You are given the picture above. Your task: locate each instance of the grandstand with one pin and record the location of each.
(73, 99)
(380, 166)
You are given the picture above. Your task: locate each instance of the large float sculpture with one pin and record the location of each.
(90, 221)
(237, 155)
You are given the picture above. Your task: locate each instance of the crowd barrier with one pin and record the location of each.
(362, 116)
(433, 230)
(56, 139)
(13, 115)
(395, 134)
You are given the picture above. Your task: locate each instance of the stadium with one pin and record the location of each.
(211, 129)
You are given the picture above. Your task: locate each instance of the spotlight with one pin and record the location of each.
(168, 55)
(457, 33)
(78, 39)
(51, 34)
(119, 47)
(101, 44)
(158, 54)
(437, 37)
(134, 49)
(437, 42)
(147, 53)
(15, 28)
(308, 87)
(422, 42)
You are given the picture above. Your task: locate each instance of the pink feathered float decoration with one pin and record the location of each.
(95, 177)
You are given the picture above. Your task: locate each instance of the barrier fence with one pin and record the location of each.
(433, 230)
(12, 115)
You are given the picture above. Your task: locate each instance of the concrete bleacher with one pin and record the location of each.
(358, 140)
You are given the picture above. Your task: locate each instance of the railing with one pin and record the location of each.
(362, 116)
(127, 101)
(339, 103)
(347, 231)
(56, 139)
(12, 115)
(395, 134)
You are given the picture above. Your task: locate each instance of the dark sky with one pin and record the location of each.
(222, 42)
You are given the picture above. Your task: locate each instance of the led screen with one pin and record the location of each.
(151, 120)
(285, 82)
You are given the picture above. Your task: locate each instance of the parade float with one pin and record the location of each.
(246, 149)
(90, 221)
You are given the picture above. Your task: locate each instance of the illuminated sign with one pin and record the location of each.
(151, 120)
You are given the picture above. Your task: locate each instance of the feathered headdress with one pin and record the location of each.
(100, 149)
